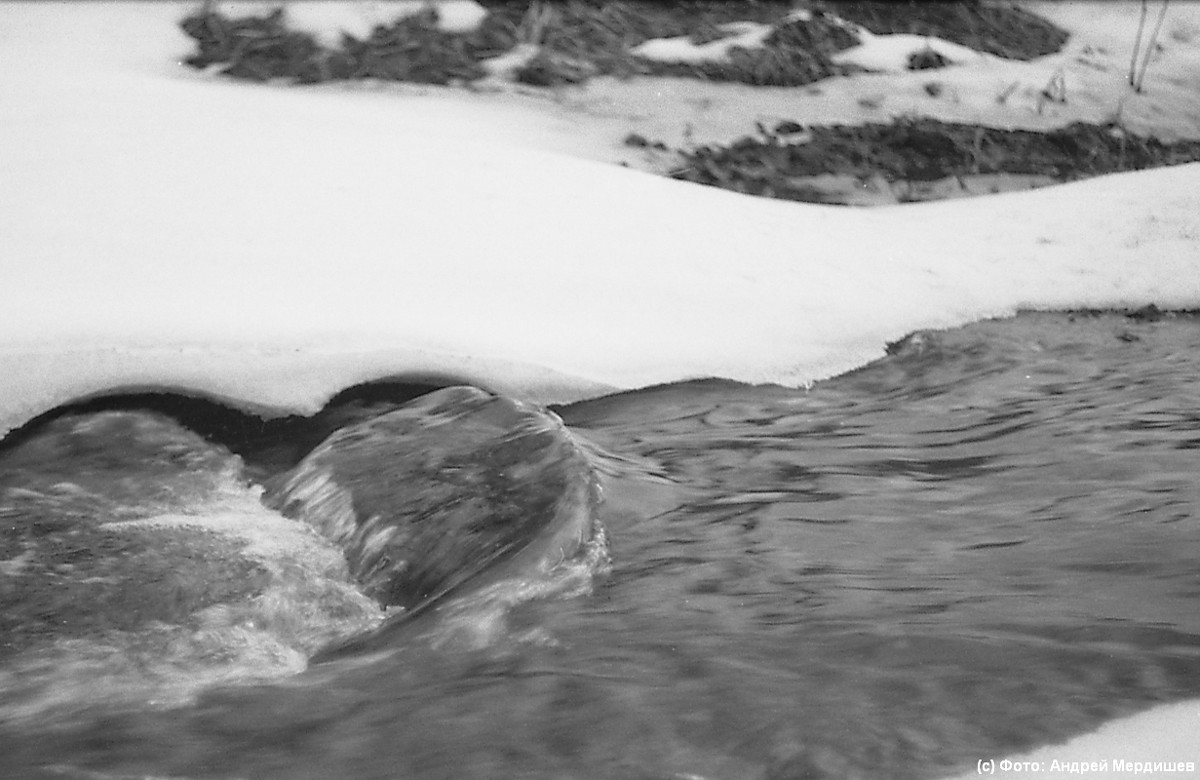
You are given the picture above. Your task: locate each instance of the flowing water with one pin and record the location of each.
(983, 542)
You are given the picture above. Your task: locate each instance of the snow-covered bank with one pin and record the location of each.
(1087, 81)
(164, 228)
(1159, 742)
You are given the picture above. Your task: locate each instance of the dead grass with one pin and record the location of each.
(778, 162)
(579, 39)
(1002, 30)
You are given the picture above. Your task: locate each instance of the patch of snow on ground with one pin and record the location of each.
(748, 35)
(1092, 68)
(328, 20)
(504, 65)
(1125, 748)
(890, 53)
(459, 16)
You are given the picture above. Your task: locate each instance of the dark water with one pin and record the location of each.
(984, 542)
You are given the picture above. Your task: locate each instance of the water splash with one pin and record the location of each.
(166, 574)
(460, 495)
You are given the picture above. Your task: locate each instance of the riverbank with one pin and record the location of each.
(858, 103)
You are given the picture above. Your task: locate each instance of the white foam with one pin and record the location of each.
(308, 601)
(309, 582)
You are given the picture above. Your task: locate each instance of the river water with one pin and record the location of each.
(983, 542)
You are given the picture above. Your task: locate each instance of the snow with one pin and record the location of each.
(1125, 748)
(1093, 68)
(507, 64)
(166, 228)
(891, 52)
(745, 35)
(328, 20)
(271, 245)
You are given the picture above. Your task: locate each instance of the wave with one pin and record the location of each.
(458, 490)
(137, 568)
(142, 566)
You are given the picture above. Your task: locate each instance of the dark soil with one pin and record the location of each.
(579, 39)
(777, 163)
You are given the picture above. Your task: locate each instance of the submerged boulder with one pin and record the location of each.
(455, 489)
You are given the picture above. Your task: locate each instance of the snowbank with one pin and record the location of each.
(272, 244)
(1161, 741)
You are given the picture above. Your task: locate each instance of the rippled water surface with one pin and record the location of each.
(986, 541)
